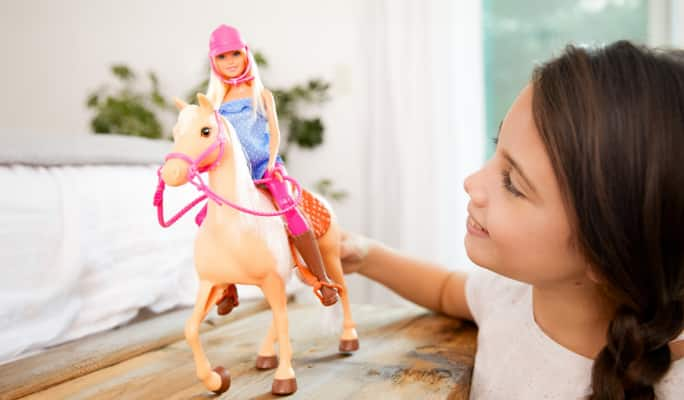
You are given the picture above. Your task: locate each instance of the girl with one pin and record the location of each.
(578, 222)
(237, 91)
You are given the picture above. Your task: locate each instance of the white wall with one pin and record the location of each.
(56, 52)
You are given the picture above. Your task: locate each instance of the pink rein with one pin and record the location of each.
(194, 177)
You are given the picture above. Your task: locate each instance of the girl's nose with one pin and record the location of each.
(473, 186)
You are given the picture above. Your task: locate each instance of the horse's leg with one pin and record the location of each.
(273, 287)
(214, 297)
(219, 379)
(349, 340)
(266, 358)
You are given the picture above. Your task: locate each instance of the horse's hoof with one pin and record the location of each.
(266, 362)
(349, 346)
(283, 387)
(225, 380)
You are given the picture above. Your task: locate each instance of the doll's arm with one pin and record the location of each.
(273, 128)
(423, 283)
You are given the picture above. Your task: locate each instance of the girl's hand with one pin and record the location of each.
(353, 251)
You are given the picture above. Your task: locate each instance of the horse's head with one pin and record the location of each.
(197, 139)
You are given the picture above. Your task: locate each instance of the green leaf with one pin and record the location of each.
(122, 72)
(191, 96)
(325, 188)
(153, 79)
(306, 133)
(158, 99)
(319, 90)
(92, 100)
(260, 59)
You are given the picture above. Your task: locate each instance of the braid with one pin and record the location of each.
(636, 355)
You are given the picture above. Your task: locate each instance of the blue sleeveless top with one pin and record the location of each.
(252, 130)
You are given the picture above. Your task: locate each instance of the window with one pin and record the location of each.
(519, 34)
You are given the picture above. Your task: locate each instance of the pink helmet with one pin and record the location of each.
(224, 39)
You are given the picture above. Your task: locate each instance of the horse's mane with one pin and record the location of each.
(245, 193)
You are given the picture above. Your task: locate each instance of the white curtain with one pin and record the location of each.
(426, 126)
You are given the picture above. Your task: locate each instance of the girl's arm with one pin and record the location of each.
(273, 128)
(423, 283)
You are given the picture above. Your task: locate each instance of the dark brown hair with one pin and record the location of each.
(612, 121)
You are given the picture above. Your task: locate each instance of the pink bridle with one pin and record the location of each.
(194, 177)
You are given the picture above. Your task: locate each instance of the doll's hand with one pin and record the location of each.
(353, 251)
(273, 173)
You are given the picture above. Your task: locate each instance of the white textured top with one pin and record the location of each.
(516, 360)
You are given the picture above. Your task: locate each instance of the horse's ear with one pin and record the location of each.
(204, 102)
(180, 104)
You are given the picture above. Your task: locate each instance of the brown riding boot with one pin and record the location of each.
(228, 300)
(307, 246)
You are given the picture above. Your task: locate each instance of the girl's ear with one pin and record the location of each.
(180, 104)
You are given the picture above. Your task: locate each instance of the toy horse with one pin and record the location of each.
(237, 245)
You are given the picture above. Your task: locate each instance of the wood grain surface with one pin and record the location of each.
(406, 353)
(92, 353)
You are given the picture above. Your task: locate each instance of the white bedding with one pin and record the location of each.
(82, 251)
(43, 149)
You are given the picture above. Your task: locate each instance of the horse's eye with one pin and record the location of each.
(205, 132)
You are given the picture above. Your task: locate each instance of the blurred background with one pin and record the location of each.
(394, 101)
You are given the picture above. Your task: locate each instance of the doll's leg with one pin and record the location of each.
(302, 236)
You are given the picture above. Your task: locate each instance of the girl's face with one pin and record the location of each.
(231, 64)
(517, 223)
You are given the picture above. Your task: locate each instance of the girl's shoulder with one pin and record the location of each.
(488, 292)
(515, 359)
(672, 384)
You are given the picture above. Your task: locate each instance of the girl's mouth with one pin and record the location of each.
(475, 228)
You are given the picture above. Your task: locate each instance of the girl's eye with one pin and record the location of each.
(205, 132)
(236, 53)
(508, 184)
(220, 56)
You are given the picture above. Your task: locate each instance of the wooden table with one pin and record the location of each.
(406, 353)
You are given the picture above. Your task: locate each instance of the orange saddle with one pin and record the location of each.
(316, 213)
